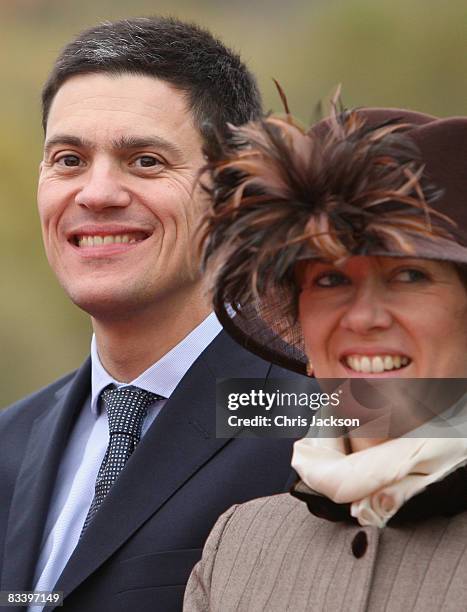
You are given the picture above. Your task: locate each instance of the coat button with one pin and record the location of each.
(359, 544)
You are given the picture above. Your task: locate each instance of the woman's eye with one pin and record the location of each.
(331, 279)
(70, 161)
(147, 161)
(410, 276)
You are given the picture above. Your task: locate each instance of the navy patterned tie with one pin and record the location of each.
(126, 409)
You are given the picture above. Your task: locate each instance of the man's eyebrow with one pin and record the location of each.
(124, 142)
(147, 142)
(66, 139)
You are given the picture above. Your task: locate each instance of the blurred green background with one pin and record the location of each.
(384, 52)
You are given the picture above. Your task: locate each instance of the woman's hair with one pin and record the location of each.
(462, 271)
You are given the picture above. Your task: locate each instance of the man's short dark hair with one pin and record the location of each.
(218, 86)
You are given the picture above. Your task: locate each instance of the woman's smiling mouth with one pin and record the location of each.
(375, 364)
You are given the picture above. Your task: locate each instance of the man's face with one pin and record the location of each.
(116, 194)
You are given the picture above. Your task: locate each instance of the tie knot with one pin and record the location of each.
(126, 408)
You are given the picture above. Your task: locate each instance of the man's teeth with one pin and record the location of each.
(376, 364)
(92, 241)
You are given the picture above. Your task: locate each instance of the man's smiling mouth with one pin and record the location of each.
(376, 364)
(99, 240)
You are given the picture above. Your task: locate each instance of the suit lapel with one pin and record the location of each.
(153, 474)
(36, 479)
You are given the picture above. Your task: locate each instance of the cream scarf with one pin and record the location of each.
(376, 481)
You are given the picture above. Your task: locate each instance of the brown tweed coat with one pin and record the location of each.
(272, 554)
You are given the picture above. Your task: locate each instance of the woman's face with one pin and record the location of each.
(384, 317)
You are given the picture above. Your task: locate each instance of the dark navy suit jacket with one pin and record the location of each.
(138, 552)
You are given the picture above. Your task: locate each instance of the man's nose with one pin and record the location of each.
(367, 310)
(102, 188)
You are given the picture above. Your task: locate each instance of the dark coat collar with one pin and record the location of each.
(447, 497)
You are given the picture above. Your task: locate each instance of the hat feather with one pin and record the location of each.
(281, 194)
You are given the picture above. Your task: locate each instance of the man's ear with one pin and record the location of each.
(41, 165)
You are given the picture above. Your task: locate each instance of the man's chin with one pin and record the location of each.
(107, 305)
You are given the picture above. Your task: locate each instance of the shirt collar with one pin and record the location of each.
(164, 375)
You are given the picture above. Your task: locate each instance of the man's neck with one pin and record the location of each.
(130, 346)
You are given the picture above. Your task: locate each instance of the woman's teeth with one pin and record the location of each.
(376, 364)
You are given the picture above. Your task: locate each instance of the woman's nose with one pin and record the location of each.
(367, 310)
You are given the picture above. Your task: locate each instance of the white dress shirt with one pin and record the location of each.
(76, 477)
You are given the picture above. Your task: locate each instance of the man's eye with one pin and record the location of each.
(331, 279)
(147, 161)
(410, 275)
(70, 161)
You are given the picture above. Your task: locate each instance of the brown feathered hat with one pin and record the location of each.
(387, 182)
